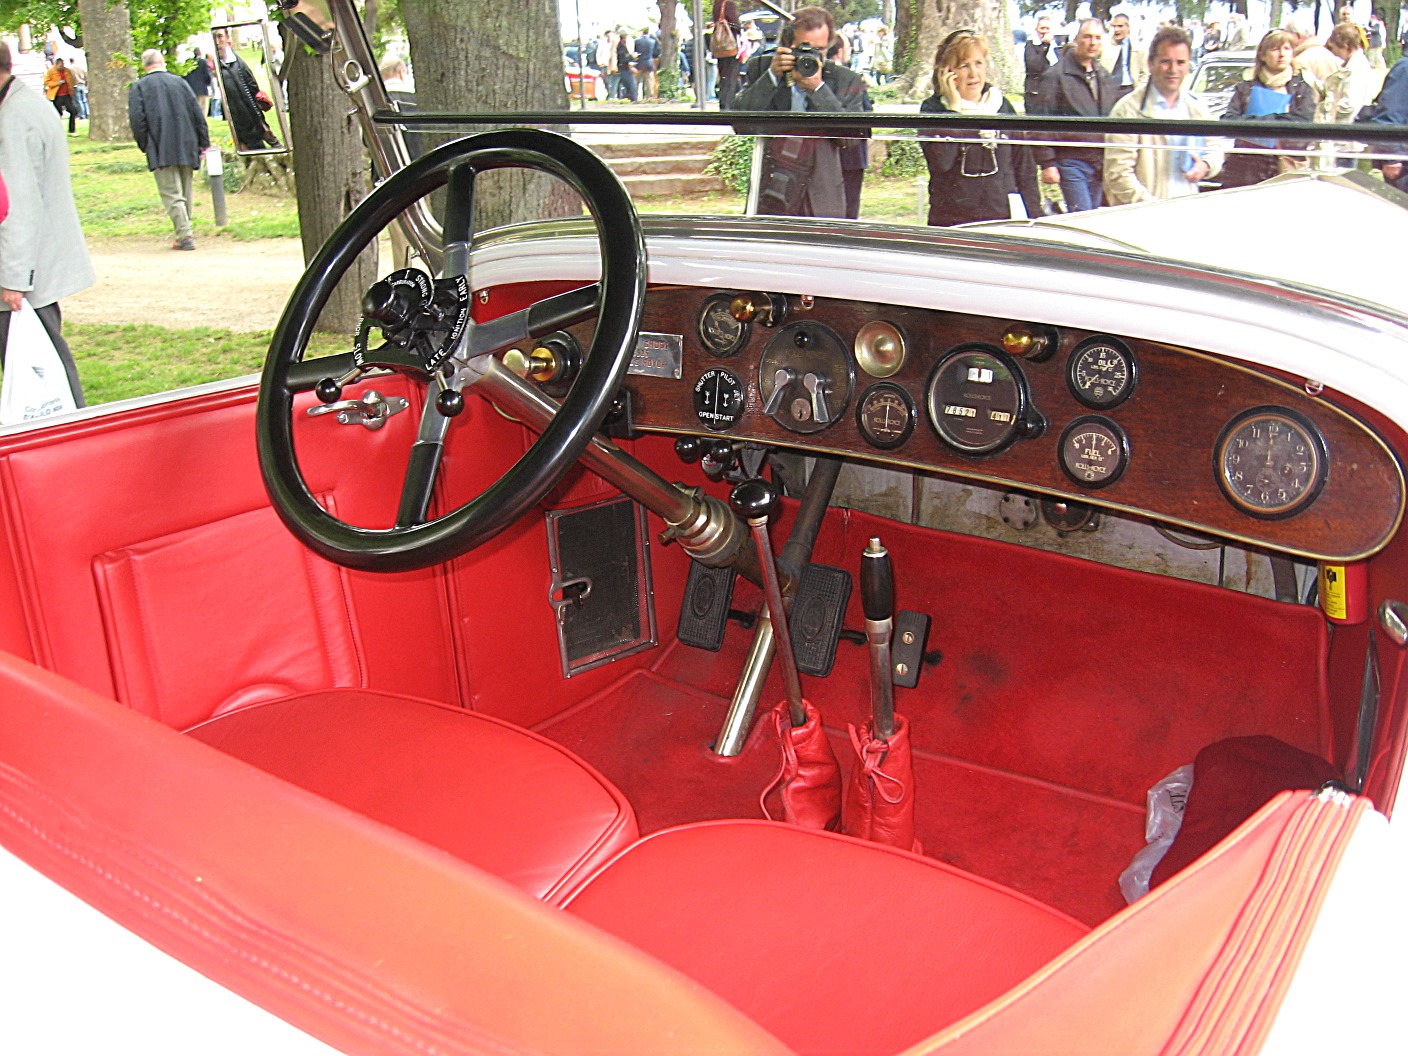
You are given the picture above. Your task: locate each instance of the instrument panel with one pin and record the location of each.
(1171, 433)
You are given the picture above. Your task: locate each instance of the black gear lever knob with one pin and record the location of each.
(754, 499)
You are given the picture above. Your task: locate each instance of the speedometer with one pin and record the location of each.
(978, 399)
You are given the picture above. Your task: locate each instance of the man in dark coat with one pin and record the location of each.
(170, 129)
(1077, 86)
(1039, 55)
(201, 80)
(802, 175)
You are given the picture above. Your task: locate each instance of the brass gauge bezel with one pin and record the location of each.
(881, 348)
(1294, 421)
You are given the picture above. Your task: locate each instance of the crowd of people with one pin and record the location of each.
(1088, 69)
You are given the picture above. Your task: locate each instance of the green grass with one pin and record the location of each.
(116, 196)
(121, 362)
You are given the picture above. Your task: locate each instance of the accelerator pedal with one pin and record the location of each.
(704, 614)
(818, 609)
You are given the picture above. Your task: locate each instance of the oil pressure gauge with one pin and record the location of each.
(1101, 373)
(1094, 451)
(885, 415)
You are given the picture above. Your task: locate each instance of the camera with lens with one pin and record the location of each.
(807, 60)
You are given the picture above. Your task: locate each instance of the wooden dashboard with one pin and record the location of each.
(1171, 433)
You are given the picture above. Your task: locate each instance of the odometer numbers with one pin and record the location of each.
(885, 415)
(1271, 462)
(1101, 373)
(718, 399)
(1094, 451)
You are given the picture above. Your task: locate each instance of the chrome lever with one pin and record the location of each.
(816, 385)
(780, 380)
(370, 412)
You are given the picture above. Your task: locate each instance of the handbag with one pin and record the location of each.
(262, 98)
(35, 383)
(723, 42)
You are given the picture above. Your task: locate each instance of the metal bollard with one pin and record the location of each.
(215, 173)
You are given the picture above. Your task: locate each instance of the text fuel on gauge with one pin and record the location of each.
(1094, 451)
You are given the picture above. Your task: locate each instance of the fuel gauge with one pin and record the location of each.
(1094, 451)
(885, 415)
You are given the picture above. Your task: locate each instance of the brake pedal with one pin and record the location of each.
(704, 612)
(818, 608)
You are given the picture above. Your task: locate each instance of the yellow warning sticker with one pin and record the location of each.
(1334, 599)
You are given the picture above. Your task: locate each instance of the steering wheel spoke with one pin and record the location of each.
(537, 320)
(430, 333)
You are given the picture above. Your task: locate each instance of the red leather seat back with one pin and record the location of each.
(184, 645)
(832, 944)
(145, 563)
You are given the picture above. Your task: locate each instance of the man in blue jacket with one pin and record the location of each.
(170, 129)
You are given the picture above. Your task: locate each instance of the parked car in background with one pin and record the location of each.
(584, 82)
(1218, 74)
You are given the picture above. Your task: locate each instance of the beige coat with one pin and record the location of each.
(1133, 172)
(1138, 59)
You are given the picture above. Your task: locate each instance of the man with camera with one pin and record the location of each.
(802, 175)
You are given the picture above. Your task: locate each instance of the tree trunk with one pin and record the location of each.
(327, 142)
(455, 45)
(937, 19)
(669, 36)
(107, 39)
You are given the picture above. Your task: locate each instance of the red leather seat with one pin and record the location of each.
(497, 796)
(829, 943)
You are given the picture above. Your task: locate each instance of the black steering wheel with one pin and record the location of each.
(617, 301)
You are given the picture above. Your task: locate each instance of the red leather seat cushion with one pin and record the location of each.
(499, 797)
(831, 944)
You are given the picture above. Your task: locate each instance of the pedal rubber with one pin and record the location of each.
(818, 609)
(704, 614)
(907, 644)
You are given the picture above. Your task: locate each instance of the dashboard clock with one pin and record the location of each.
(1271, 462)
(1101, 373)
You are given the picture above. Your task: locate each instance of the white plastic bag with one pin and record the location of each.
(35, 383)
(1165, 816)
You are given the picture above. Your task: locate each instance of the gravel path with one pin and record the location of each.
(226, 284)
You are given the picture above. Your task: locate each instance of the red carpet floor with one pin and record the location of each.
(1059, 691)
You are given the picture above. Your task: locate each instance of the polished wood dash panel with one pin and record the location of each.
(1182, 401)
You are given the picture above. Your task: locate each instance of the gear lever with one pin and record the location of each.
(877, 594)
(754, 500)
